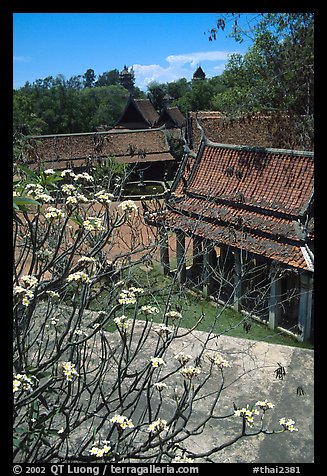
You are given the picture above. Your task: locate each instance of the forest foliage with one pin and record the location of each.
(275, 76)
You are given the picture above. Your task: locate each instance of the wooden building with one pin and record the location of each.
(171, 117)
(138, 114)
(199, 74)
(148, 147)
(127, 79)
(258, 129)
(242, 209)
(139, 137)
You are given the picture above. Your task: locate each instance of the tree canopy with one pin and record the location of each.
(277, 73)
(79, 104)
(275, 76)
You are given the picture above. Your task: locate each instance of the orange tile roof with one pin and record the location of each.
(127, 146)
(271, 180)
(255, 199)
(252, 129)
(287, 254)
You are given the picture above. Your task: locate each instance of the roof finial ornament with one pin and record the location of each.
(203, 136)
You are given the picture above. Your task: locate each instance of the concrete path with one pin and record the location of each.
(252, 377)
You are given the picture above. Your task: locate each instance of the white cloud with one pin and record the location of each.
(22, 59)
(144, 74)
(179, 66)
(195, 58)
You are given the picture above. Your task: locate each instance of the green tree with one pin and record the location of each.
(177, 89)
(24, 119)
(89, 78)
(102, 105)
(109, 78)
(276, 75)
(56, 105)
(156, 93)
(75, 82)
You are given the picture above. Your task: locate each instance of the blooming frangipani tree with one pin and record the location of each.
(81, 391)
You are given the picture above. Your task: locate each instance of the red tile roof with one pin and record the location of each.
(255, 199)
(287, 254)
(254, 129)
(127, 146)
(271, 180)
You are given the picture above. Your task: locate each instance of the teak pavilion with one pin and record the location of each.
(242, 207)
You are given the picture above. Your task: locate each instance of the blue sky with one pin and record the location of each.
(160, 46)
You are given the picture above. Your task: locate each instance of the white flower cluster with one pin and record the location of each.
(73, 196)
(182, 459)
(162, 330)
(53, 213)
(77, 198)
(182, 358)
(190, 372)
(128, 206)
(79, 277)
(122, 422)
(86, 260)
(216, 359)
(53, 295)
(43, 254)
(49, 172)
(157, 426)
(174, 315)
(288, 425)
(100, 452)
(23, 382)
(93, 224)
(160, 386)
(247, 414)
(103, 197)
(129, 296)
(69, 371)
(68, 172)
(84, 176)
(149, 310)
(29, 281)
(26, 291)
(157, 362)
(37, 192)
(68, 189)
(122, 323)
(264, 405)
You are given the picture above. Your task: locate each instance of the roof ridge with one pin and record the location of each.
(110, 131)
(294, 152)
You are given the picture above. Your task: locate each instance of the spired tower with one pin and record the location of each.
(127, 79)
(199, 74)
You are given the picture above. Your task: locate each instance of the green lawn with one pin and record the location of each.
(193, 306)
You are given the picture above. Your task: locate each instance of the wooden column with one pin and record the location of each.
(207, 267)
(274, 300)
(237, 280)
(197, 256)
(180, 257)
(305, 306)
(164, 251)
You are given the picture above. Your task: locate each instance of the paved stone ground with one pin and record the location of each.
(250, 378)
